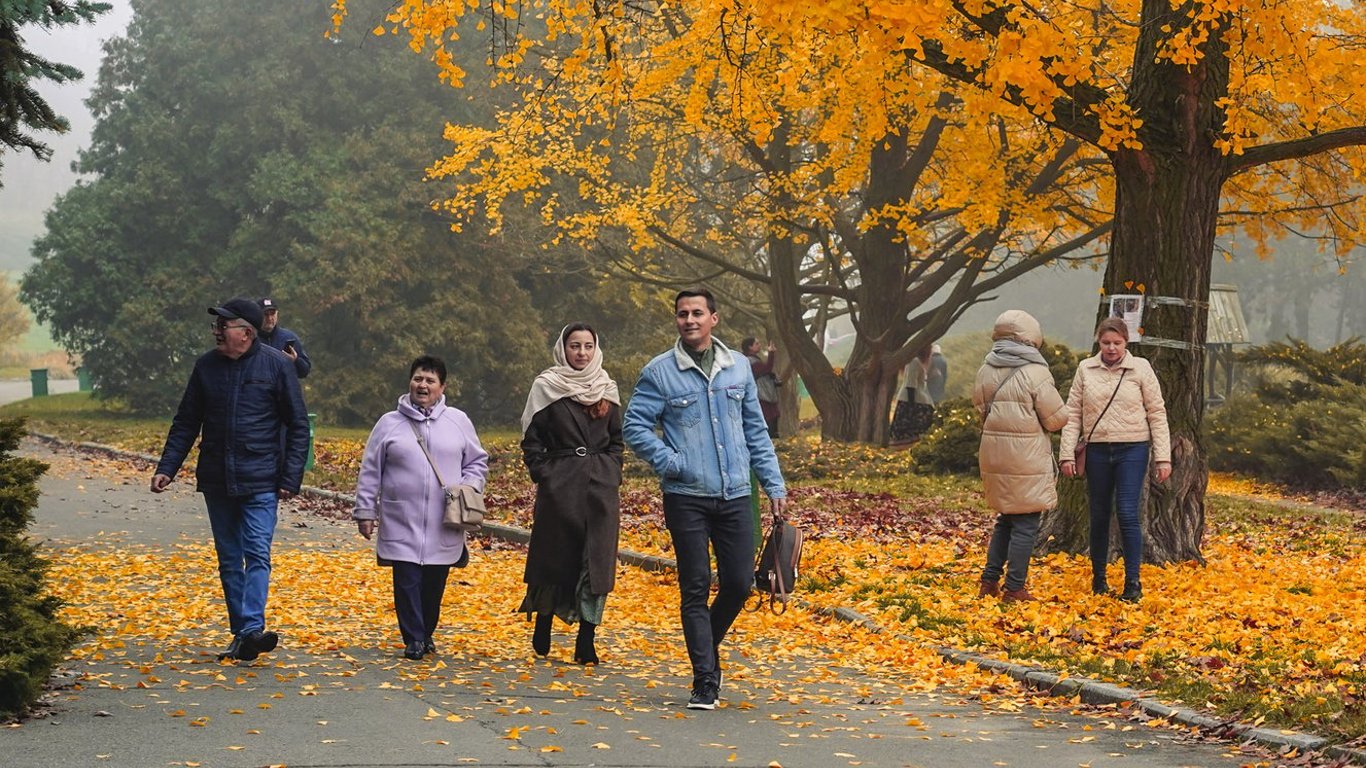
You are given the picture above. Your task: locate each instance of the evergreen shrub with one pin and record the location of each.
(32, 639)
(1300, 422)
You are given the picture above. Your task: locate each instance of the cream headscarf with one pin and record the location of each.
(559, 381)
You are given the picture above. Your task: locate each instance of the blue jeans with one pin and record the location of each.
(1115, 473)
(694, 522)
(243, 528)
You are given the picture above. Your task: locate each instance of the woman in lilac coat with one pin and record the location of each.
(399, 495)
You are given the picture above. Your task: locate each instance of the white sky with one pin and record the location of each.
(30, 186)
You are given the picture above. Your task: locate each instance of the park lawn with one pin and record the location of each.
(1271, 629)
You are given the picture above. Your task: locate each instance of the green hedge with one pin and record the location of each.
(1301, 420)
(32, 639)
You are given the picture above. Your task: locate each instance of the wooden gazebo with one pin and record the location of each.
(1227, 328)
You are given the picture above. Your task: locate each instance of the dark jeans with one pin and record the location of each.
(417, 598)
(243, 529)
(1012, 542)
(1115, 473)
(728, 526)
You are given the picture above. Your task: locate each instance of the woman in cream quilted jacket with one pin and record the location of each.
(1019, 405)
(1116, 404)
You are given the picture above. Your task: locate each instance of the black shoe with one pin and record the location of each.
(257, 643)
(704, 696)
(1132, 593)
(429, 646)
(414, 650)
(1100, 588)
(540, 639)
(234, 648)
(585, 652)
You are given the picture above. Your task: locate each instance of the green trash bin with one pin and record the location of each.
(83, 380)
(39, 378)
(312, 427)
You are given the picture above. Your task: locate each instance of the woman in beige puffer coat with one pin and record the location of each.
(1019, 405)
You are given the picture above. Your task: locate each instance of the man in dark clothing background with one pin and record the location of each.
(283, 339)
(244, 402)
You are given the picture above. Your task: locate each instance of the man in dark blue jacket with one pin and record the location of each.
(283, 339)
(245, 403)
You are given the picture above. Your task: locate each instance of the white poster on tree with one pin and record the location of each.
(1129, 308)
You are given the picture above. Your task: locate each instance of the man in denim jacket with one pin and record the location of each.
(702, 395)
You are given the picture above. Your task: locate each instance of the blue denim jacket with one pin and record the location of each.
(713, 430)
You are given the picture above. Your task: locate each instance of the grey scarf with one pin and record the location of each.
(1009, 353)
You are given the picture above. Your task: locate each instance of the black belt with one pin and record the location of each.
(565, 452)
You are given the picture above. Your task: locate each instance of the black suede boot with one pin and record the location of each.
(584, 651)
(540, 639)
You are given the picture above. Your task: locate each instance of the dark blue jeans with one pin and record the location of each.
(1115, 473)
(418, 590)
(694, 522)
(243, 528)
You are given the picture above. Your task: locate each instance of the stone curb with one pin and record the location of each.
(1090, 691)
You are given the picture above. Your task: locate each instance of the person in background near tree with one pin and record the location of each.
(1116, 404)
(939, 374)
(283, 339)
(244, 403)
(1019, 405)
(703, 398)
(765, 380)
(399, 492)
(571, 444)
(914, 408)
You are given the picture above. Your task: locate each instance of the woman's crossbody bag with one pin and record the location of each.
(464, 504)
(1079, 453)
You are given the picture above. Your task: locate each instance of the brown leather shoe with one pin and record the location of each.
(1020, 595)
(989, 589)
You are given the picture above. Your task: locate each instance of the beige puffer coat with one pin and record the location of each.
(1016, 457)
(1137, 415)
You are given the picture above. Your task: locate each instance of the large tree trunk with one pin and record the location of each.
(1166, 209)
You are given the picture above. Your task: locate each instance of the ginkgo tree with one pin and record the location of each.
(1251, 107)
(682, 157)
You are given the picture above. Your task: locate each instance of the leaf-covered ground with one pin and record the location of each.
(1272, 630)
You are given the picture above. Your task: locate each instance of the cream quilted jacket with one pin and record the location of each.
(1137, 415)
(1016, 457)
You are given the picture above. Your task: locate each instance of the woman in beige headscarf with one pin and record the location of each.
(572, 446)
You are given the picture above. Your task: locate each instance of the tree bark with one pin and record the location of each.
(1166, 208)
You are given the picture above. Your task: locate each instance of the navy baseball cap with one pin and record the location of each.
(240, 309)
(269, 305)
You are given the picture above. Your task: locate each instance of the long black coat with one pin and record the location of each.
(578, 501)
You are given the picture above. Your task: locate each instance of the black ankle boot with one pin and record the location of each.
(1132, 593)
(1099, 586)
(584, 651)
(540, 639)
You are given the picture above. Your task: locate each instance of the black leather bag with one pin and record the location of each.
(775, 572)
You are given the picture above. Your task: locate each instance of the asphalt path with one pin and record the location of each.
(358, 707)
(12, 390)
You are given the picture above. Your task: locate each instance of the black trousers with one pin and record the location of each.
(418, 590)
(694, 522)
